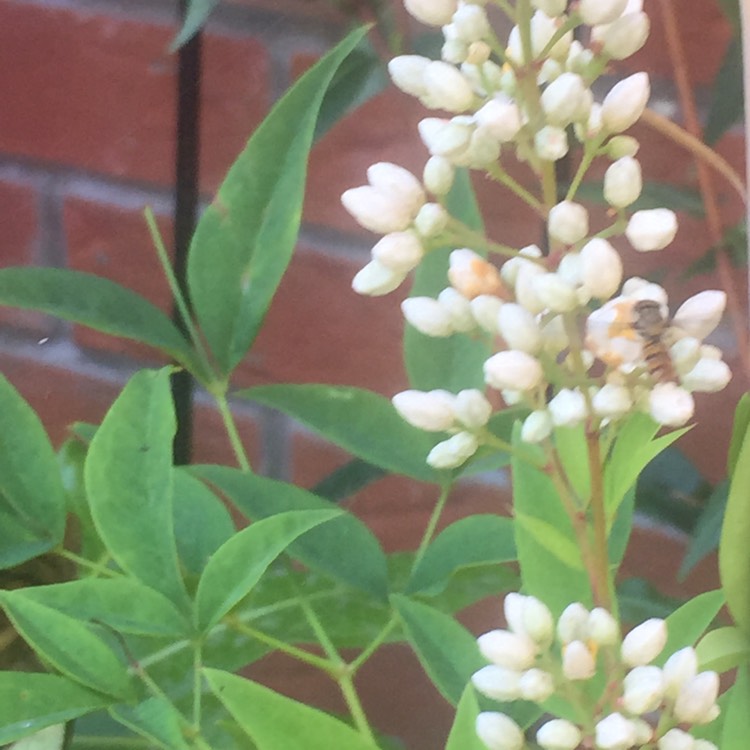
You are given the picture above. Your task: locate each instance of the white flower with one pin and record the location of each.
(511, 268)
(448, 138)
(527, 615)
(470, 23)
(643, 689)
(377, 211)
(536, 685)
(471, 275)
(458, 308)
(708, 376)
(555, 293)
(375, 279)
(499, 732)
(704, 745)
(558, 734)
(670, 405)
(550, 8)
(428, 316)
(432, 410)
(644, 732)
(644, 642)
(551, 143)
(625, 36)
(612, 401)
(676, 739)
(615, 732)
(432, 12)
(622, 145)
(407, 73)
(595, 12)
(536, 427)
(625, 102)
(696, 699)
(525, 289)
(685, 354)
(519, 328)
(513, 370)
(438, 175)
(506, 649)
(681, 666)
(501, 117)
(601, 268)
(399, 251)
(602, 628)
(543, 28)
(431, 220)
(623, 182)
(578, 662)
(568, 222)
(483, 149)
(453, 452)
(485, 308)
(446, 88)
(701, 313)
(652, 229)
(563, 100)
(567, 408)
(472, 409)
(572, 624)
(496, 682)
(391, 179)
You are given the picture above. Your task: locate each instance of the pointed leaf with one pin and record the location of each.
(273, 721)
(196, 16)
(360, 421)
(129, 482)
(97, 303)
(737, 718)
(740, 426)
(239, 563)
(156, 719)
(69, 645)
(51, 738)
(245, 238)
(723, 649)
(18, 543)
(463, 734)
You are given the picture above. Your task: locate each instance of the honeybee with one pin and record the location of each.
(651, 326)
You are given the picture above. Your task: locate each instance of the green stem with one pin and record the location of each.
(197, 684)
(346, 685)
(432, 523)
(601, 578)
(523, 20)
(96, 567)
(549, 184)
(501, 176)
(376, 642)
(234, 436)
(459, 234)
(590, 150)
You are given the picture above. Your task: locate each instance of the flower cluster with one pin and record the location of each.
(645, 705)
(573, 343)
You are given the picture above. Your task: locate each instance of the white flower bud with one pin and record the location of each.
(623, 182)
(559, 734)
(601, 268)
(446, 88)
(485, 308)
(700, 314)
(622, 145)
(536, 427)
(472, 275)
(567, 408)
(596, 12)
(578, 662)
(498, 683)
(644, 642)
(612, 401)
(526, 292)
(445, 137)
(536, 685)
(652, 229)
(471, 24)
(431, 220)
(506, 649)
(438, 175)
(451, 453)
(579, 59)
(519, 328)
(704, 745)
(483, 149)
(513, 370)
(551, 143)
(454, 51)
(432, 410)
(550, 70)
(708, 376)
(625, 102)
(479, 53)
(563, 99)
(472, 409)
(550, 8)
(377, 211)
(570, 268)
(501, 117)
(428, 316)
(573, 622)
(568, 222)
(376, 279)
(399, 251)
(644, 732)
(555, 293)
(511, 397)
(670, 405)
(400, 183)
(543, 28)
(637, 288)
(407, 73)
(432, 12)
(643, 690)
(678, 669)
(527, 615)
(615, 732)
(458, 308)
(510, 268)
(625, 36)
(498, 731)
(696, 700)
(602, 628)
(676, 739)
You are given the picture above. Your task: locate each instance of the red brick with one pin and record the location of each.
(96, 93)
(303, 9)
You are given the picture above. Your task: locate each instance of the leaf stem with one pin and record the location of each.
(96, 567)
(432, 523)
(601, 577)
(501, 176)
(232, 432)
(376, 642)
(346, 685)
(197, 683)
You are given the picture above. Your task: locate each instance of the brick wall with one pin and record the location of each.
(86, 141)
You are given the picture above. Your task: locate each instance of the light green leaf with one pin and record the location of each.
(196, 16)
(274, 722)
(360, 421)
(156, 719)
(463, 734)
(51, 738)
(737, 718)
(245, 238)
(740, 425)
(723, 649)
(129, 482)
(239, 563)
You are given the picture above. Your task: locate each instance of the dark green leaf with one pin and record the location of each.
(129, 482)
(707, 531)
(360, 421)
(733, 243)
(97, 303)
(347, 480)
(196, 16)
(728, 101)
(18, 543)
(653, 195)
(638, 600)
(731, 10)
(477, 540)
(156, 719)
(245, 238)
(737, 719)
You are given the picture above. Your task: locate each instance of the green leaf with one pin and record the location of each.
(51, 738)
(734, 550)
(69, 645)
(129, 481)
(737, 719)
(18, 543)
(574, 455)
(30, 702)
(447, 651)
(97, 303)
(653, 195)
(245, 238)
(707, 531)
(740, 427)
(728, 101)
(343, 548)
(125, 605)
(360, 421)
(196, 16)
(731, 10)
(274, 722)
(477, 540)
(239, 563)
(463, 734)
(639, 600)
(723, 649)
(347, 480)
(156, 719)
(31, 492)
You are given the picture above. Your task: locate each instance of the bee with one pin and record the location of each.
(651, 326)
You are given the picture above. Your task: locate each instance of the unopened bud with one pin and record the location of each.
(676, 739)
(506, 649)
(513, 370)
(501, 117)
(376, 279)
(519, 328)
(451, 453)
(568, 222)
(438, 175)
(400, 251)
(377, 211)
(446, 88)
(678, 669)
(670, 405)
(550, 8)
(644, 642)
(458, 308)
(567, 408)
(643, 690)
(536, 427)
(563, 98)
(596, 12)
(602, 628)
(391, 179)
(555, 293)
(652, 229)
(498, 683)
(559, 734)
(601, 268)
(704, 745)
(625, 102)
(431, 220)
(626, 35)
(478, 53)
(483, 149)
(472, 275)
(615, 732)
(471, 24)
(407, 73)
(454, 51)
(696, 700)
(428, 316)
(622, 145)
(432, 12)
(485, 308)
(432, 410)
(700, 314)
(578, 662)
(498, 731)
(472, 409)
(623, 182)
(445, 137)
(572, 624)
(551, 143)
(527, 615)
(612, 401)
(708, 376)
